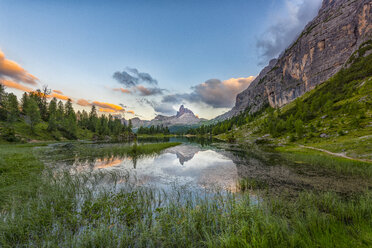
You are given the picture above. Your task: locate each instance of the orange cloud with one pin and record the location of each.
(106, 110)
(122, 90)
(83, 102)
(15, 85)
(238, 84)
(108, 105)
(58, 92)
(59, 96)
(14, 71)
(220, 94)
(130, 112)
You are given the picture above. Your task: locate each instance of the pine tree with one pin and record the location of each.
(116, 127)
(2, 93)
(24, 101)
(69, 122)
(84, 119)
(130, 126)
(32, 114)
(289, 123)
(2, 99)
(12, 108)
(299, 128)
(93, 119)
(103, 127)
(44, 103)
(60, 112)
(52, 111)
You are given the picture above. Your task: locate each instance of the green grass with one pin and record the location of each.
(24, 132)
(320, 159)
(358, 146)
(61, 210)
(19, 169)
(246, 184)
(68, 213)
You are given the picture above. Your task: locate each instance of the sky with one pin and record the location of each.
(143, 58)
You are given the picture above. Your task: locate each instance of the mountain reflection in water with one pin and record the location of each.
(206, 164)
(188, 165)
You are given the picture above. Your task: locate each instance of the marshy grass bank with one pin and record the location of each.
(41, 208)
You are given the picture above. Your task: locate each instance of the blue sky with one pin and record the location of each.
(77, 46)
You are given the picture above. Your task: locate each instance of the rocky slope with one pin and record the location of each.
(320, 51)
(184, 116)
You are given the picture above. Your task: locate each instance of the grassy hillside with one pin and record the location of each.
(23, 133)
(336, 115)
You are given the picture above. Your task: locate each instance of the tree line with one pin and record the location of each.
(158, 129)
(296, 121)
(224, 126)
(34, 108)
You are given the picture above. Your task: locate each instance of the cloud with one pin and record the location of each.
(130, 112)
(176, 98)
(286, 28)
(159, 107)
(106, 105)
(149, 91)
(122, 90)
(15, 85)
(83, 102)
(163, 108)
(10, 69)
(61, 97)
(103, 106)
(213, 92)
(131, 77)
(143, 76)
(107, 110)
(58, 92)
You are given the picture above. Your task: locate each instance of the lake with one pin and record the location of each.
(203, 164)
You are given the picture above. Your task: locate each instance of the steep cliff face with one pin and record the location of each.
(321, 50)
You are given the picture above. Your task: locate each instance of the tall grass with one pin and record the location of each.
(63, 210)
(72, 211)
(19, 169)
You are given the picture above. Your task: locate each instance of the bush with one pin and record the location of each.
(340, 132)
(231, 138)
(8, 134)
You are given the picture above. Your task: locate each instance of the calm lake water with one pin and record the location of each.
(203, 164)
(195, 164)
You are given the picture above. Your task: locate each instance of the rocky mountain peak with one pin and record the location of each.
(184, 116)
(183, 110)
(319, 52)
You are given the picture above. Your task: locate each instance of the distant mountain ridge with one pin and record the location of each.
(319, 52)
(184, 117)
